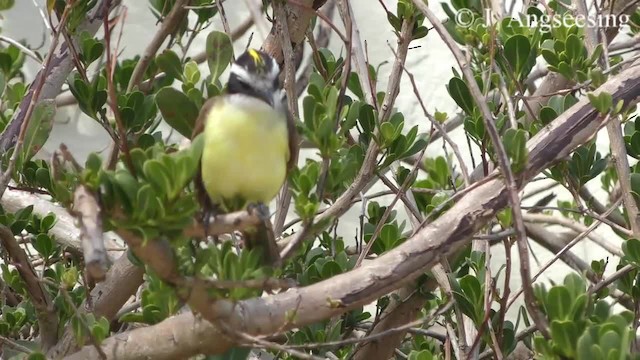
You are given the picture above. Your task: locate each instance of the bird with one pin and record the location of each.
(249, 146)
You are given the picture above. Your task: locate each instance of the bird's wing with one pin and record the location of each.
(202, 116)
(201, 192)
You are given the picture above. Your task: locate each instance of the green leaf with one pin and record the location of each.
(515, 144)
(43, 245)
(574, 48)
(169, 62)
(460, 93)
(558, 303)
(91, 48)
(472, 288)
(603, 102)
(236, 353)
(159, 176)
(191, 72)
(3, 83)
(70, 277)
(419, 32)
(219, 53)
(353, 84)
(584, 350)
(38, 130)
(565, 334)
(631, 250)
(6, 4)
(36, 355)
(550, 57)
(516, 50)
(177, 110)
(547, 115)
(420, 355)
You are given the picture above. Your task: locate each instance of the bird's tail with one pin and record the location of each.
(261, 237)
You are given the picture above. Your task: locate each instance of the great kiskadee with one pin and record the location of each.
(249, 144)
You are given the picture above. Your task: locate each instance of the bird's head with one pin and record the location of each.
(255, 73)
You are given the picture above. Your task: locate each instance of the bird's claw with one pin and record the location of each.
(260, 210)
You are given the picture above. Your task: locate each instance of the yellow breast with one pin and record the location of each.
(245, 152)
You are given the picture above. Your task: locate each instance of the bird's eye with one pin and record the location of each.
(244, 85)
(276, 83)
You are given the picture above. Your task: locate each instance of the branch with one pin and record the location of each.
(33, 100)
(67, 98)
(122, 281)
(298, 20)
(614, 127)
(404, 307)
(87, 211)
(367, 170)
(56, 75)
(591, 202)
(555, 82)
(505, 167)
(575, 226)
(168, 27)
(559, 253)
(341, 293)
(25, 50)
(45, 310)
(556, 242)
(223, 224)
(281, 23)
(64, 230)
(393, 88)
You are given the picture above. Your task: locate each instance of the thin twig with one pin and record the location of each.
(404, 38)
(443, 309)
(575, 240)
(575, 226)
(225, 22)
(113, 97)
(14, 345)
(28, 52)
(614, 128)
(505, 166)
(168, 27)
(611, 278)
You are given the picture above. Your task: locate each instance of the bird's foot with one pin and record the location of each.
(260, 210)
(208, 217)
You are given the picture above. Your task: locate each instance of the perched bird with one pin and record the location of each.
(249, 145)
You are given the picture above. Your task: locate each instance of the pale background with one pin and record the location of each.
(429, 60)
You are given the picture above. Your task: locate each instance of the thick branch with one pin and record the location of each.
(64, 231)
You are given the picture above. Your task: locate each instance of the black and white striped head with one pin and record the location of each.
(255, 73)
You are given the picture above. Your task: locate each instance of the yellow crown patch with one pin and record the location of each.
(257, 58)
